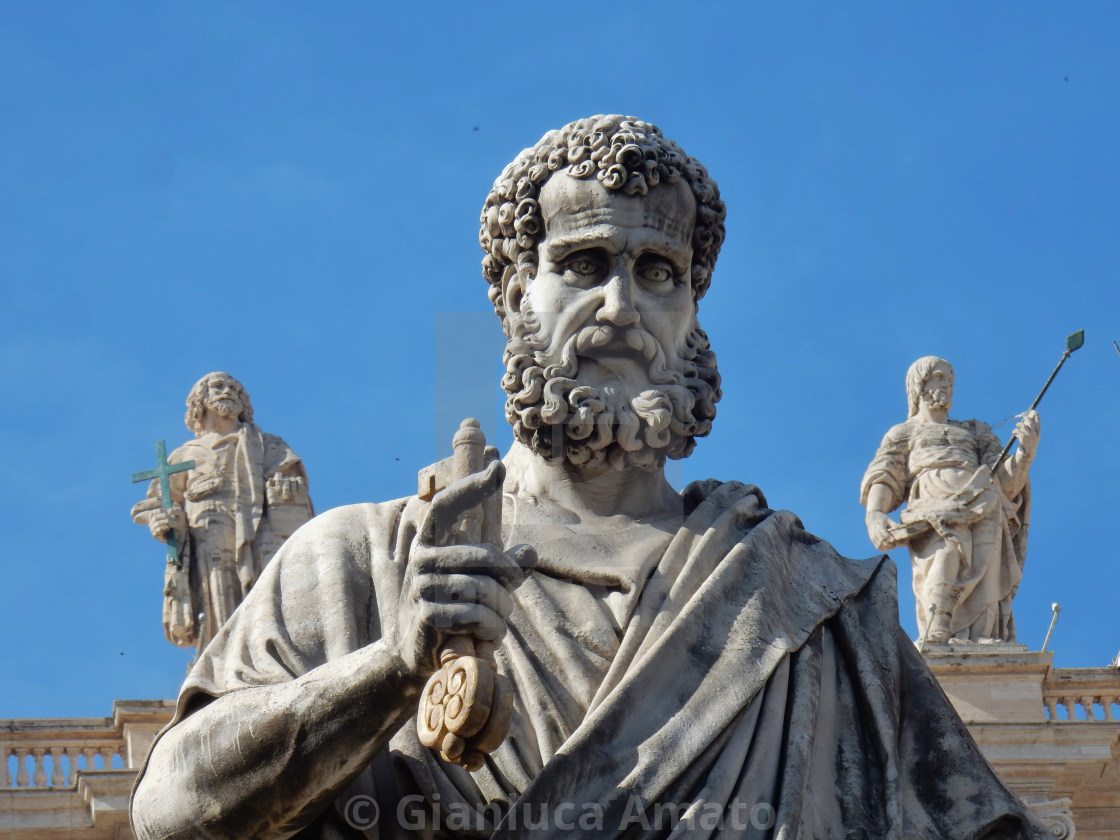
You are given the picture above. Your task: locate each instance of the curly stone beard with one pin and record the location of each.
(937, 398)
(562, 419)
(224, 408)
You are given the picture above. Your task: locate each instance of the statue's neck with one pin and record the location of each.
(932, 414)
(219, 424)
(633, 493)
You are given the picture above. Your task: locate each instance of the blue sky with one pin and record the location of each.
(290, 192)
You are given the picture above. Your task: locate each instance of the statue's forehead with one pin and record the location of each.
(222, 379)
(569, 203)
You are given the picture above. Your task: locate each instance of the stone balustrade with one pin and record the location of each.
(71, 777)
(51, 753)
(1072, 695)
(56, 763)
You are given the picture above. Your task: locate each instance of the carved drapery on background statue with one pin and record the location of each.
(965, 525)
(245, 495)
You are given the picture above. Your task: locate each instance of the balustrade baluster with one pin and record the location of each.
(7, 753)
(1051, 708)
(107, 756)
(58, 777)
(22, 779)
(40, 775)
(88, 753)
(72, 771)
(1087, 705)
(1070, 703)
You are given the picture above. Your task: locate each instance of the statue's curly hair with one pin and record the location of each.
(623, 153)
(916, 378)
(196, 402)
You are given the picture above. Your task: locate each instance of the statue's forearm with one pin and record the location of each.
(262, 761)
(1012, 473)
(878, 499)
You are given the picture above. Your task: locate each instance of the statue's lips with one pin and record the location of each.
(606, 342)
(615, 352)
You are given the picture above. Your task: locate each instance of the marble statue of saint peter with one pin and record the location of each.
(682, 664)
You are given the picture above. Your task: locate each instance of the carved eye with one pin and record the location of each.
(584, 268)
(656, 272)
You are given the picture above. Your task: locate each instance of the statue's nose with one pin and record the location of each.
(618, 305)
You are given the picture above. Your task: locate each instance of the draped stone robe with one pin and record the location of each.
(743, 680)
(234, 521)
(925, 466)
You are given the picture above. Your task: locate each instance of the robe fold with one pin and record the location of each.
(744, 681)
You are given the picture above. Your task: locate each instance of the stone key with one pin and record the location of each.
(466, 707)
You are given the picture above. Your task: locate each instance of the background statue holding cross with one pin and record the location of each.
(224, 502)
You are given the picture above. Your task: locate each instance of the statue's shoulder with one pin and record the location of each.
(816, 559)
(277, 454)
(187, 451)
(271, 439)
(352, 520)
(976, 427)
(273, 443)
(370, 528)
(900, 433)
(723, 494)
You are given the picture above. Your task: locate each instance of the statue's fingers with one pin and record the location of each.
(476, 620)
(452, 502)
(464, 589)
(481, 559)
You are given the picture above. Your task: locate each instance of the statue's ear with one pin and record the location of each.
(512, 290)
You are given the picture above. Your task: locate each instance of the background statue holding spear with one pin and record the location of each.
(967, 506)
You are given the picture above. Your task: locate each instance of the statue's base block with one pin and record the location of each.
(1052, 734)
(975, 647)
(989, 683)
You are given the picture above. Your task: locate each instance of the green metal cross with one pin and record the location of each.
(163, 472)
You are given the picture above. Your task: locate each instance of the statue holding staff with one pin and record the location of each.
(967, 509)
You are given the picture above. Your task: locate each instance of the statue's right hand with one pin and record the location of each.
(161, 522)
(879, 529)
(202, 486)
(456, 590)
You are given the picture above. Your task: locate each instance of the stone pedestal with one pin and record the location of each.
(1050, 733)
(992, 683)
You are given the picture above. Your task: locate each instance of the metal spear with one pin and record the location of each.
(1073, 342)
